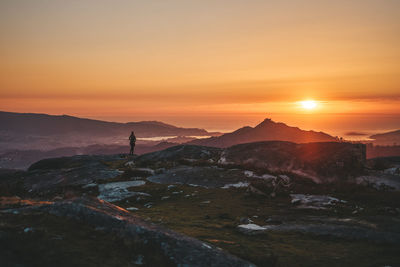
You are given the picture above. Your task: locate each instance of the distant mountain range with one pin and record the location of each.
(41, 131)
(26, 137)
(43, 124)
(267, 130)
(389, 138)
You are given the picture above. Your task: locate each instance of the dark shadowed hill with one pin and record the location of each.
(22, 159)
(268, 130)
(43, 124)
(389, 138)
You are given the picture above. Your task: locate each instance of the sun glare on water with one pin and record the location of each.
(308, 104)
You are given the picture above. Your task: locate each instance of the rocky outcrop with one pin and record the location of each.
(180, 154)
(53, 174)
(176, 249)
(198, 165)
(323, 162)
(117, 191)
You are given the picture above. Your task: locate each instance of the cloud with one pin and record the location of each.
(356, 134)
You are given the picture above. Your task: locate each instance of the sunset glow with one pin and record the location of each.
(209, 64)
(308, 104)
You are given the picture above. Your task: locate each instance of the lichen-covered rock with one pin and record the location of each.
(314, 201)
(270, 185)
(118, 191)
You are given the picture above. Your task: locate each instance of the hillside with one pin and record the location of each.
(267, 130)
(22, 159)
(389, 138)
(26, 131)
(248, 205)
(43, 124)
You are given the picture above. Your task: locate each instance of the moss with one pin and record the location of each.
(216, 222)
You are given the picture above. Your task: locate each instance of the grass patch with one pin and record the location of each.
(212, 215)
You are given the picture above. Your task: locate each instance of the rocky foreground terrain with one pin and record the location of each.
(257, 204)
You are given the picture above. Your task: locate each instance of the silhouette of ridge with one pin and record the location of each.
(267, 130)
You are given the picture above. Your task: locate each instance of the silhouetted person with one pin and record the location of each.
(132, 141)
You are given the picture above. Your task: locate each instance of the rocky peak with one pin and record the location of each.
(266, 122)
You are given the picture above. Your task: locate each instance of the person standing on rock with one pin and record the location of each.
(132, 140)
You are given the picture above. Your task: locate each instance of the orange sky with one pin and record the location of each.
(213, 64)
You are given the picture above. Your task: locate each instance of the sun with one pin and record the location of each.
(308, 104)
